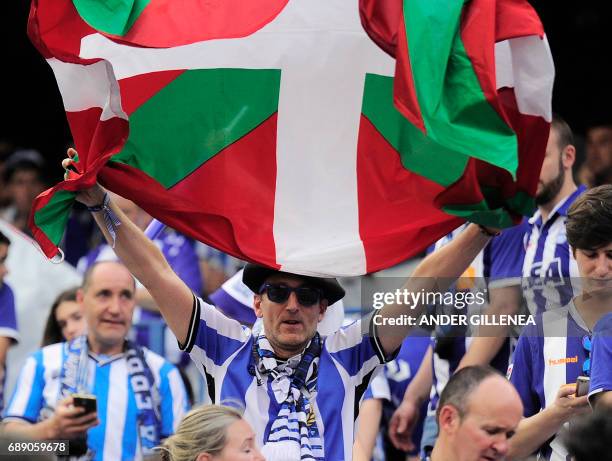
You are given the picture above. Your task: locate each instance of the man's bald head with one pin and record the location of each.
(91, 273)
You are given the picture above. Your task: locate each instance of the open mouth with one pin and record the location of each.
(292, 322)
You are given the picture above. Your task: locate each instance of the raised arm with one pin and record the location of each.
(145, 261)
(440, 267)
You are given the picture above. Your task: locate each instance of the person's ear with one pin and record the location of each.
(257, 306)
(568, 156)
(322, 308)
(449, 419)
(203, 457)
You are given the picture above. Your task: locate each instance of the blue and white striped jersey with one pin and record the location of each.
(549, 263)
(222, 350)
(116, 437)
(547, 356)
(601, 357)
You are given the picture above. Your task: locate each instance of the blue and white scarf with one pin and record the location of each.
(294, 433)
(73, 379)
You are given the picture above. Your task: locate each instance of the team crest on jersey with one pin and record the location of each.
(545, 276)
(310, 420)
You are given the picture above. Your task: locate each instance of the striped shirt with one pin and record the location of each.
(116, 437)
(222, 350)
(601, 360)
(549, 263)
(549, 355)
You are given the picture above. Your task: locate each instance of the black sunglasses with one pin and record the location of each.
(278, 293)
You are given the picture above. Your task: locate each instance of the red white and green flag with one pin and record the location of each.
(279, 131)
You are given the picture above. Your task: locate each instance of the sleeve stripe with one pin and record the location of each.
(192, 333)
(380, 352)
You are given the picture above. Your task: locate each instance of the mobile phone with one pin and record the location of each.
(582, 385)
(87, 401)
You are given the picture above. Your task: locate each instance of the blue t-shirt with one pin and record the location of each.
(601, 356)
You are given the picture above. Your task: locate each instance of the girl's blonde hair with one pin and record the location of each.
(202, 430)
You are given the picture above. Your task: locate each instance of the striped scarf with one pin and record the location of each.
(73, 379)
(294, 433)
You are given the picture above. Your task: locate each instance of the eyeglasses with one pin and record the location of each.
(588, 346)
(278, 293)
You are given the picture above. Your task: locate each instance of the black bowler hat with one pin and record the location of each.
(254, 276)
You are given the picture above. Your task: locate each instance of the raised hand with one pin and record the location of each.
(89, 197)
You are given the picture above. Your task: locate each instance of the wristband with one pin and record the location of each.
(100, 207)
(110, 218)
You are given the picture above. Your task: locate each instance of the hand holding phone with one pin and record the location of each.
(86, 401)
(582, 385)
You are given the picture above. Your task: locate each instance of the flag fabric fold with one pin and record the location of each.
(323, 137)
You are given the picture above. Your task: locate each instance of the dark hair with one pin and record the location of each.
(461, 385)
(53, 332)
(565, 137)
(589, 437)
(4, 239)
(589, 219)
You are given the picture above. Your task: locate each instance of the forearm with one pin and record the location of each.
(434, 273)
(533, 432)
(420, 387)
(369, 422)
(45, 430)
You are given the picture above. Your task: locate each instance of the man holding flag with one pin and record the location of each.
(260, 131)
(291, 382)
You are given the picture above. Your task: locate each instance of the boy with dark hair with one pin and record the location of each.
(552, 354)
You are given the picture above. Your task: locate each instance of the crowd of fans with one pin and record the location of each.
(133, 362)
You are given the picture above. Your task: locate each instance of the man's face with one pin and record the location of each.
(3, 256)
(23, 187)
(493, 412)
(288, 325)
(552, 174)
(599, 150)
(595, 268)
(108, 303)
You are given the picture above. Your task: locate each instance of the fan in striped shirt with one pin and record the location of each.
(138, 397)
(552, 354)
(299, 390)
